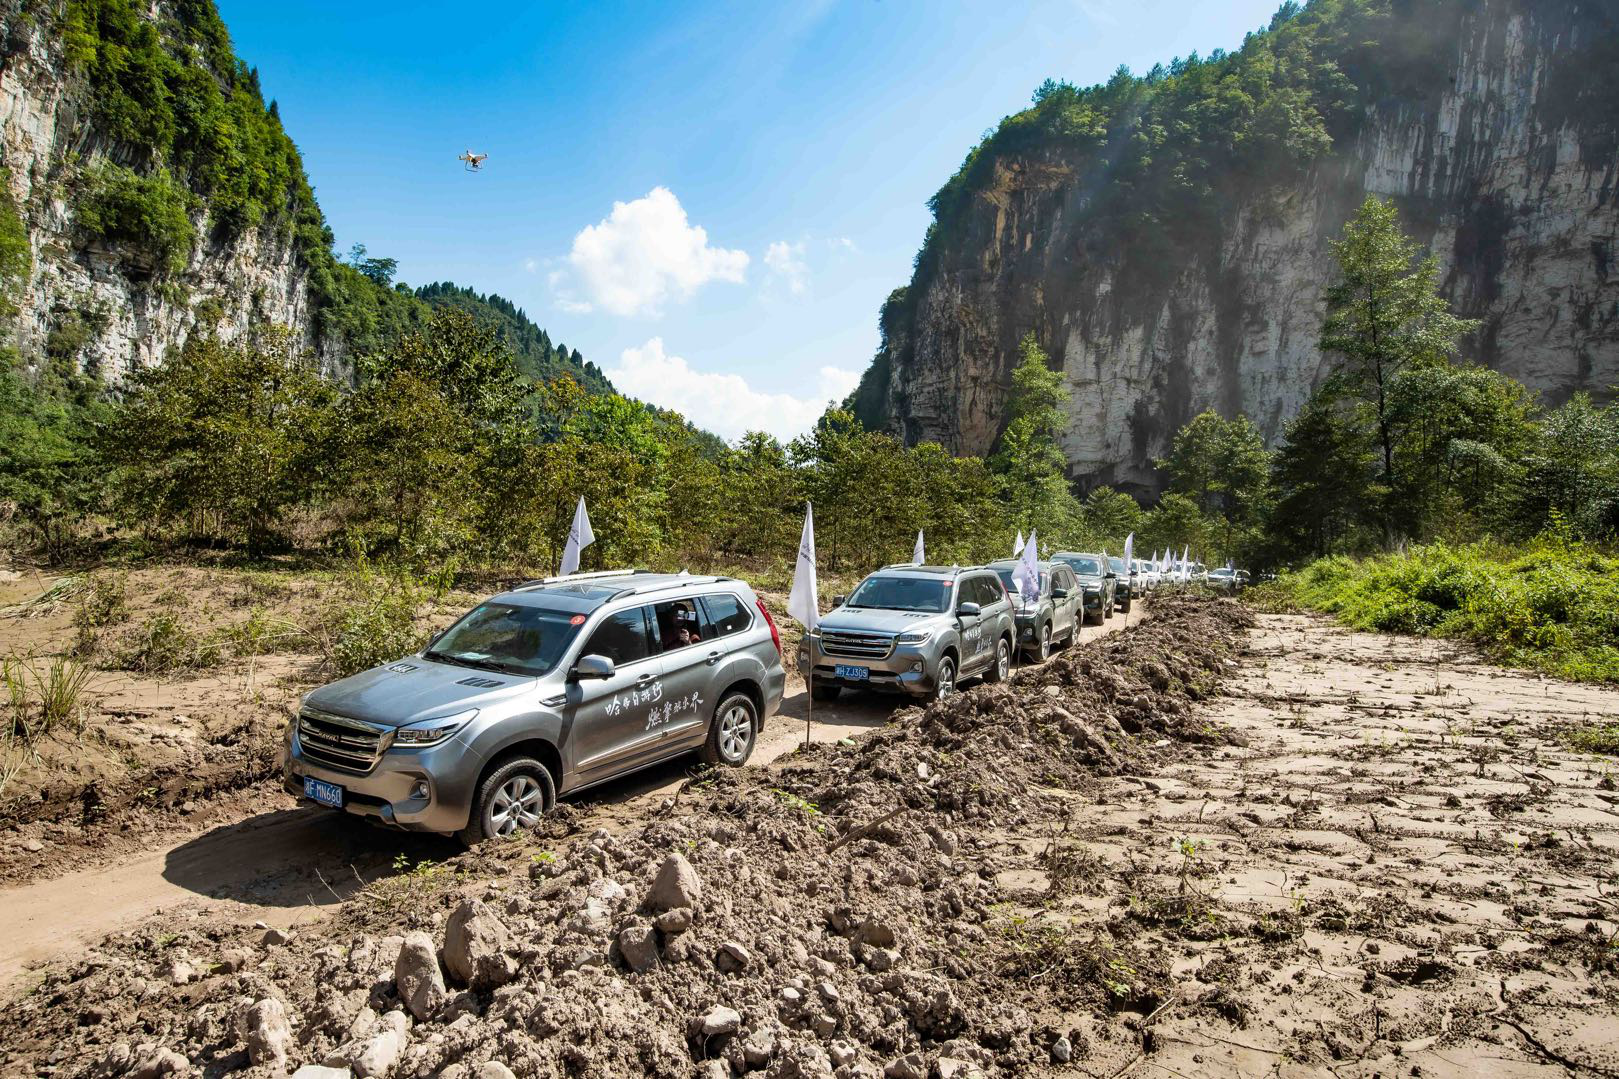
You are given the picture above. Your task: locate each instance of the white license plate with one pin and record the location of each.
(327, 794)
(854, 674)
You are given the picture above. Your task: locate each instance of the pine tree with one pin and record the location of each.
(1384, 315)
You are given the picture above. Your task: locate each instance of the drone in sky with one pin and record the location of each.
(473, 162)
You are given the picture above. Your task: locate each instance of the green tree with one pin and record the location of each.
(224, 438)
(1573, 468)
(1028, 460)
(1462, 433)
(1385, 314)
(1321, 480)
(1108, 516)
(1222, 465)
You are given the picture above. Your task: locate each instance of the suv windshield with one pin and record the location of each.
(1012, 586)
(509, 637)
(1091, 566)
(902, 594)
(1118, 565)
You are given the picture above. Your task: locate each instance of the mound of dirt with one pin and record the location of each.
(839, 918)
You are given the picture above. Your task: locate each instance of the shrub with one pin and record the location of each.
(152, 213)
(1552, 605)
(373, 630)
(164, 645)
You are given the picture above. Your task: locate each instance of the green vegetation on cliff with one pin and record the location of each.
(531, 346)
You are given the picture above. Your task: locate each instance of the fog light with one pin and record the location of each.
(916, 668)
(419, 790)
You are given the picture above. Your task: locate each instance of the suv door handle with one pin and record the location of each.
(644, 679)
(714, 657)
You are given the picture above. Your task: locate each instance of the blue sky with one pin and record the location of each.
(709, 200)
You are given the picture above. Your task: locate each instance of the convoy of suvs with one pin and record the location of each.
(560, 684)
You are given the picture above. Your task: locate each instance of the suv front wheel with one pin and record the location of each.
(511, 799)
(944, 679)
(731, 735)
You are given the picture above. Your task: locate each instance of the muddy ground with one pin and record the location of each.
(1194, 848)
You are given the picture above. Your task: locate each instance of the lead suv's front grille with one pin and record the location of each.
(856, 645)
(340, 742)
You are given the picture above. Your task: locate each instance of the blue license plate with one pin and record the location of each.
(327, 794)
(854, 674)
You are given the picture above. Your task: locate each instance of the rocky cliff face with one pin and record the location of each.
(99, 304)
(1496, 164)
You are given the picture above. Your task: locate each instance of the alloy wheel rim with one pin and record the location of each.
(736, 729)
(1003, 659)
(518, 803)
(947, 679)
(1045, 642)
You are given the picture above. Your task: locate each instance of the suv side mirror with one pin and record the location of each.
(1059, 593)
(968, 610)
(838, 601)
(592, 667)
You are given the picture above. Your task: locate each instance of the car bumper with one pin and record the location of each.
(419, 790)
(1093, 601)
(897, 673)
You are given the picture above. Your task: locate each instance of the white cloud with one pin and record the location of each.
(724, 404)
(641, 255)
(531, 265)
(786, 261)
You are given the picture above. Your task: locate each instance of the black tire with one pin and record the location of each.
(1042, 648)
(821, 691)
(1001, 669)
(732, 732)
(506, 801)
(1125, 606)
(944, 679)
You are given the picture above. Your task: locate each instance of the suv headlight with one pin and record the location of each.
(432, 731)
(915, 636)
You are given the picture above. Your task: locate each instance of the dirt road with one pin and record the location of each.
(265, 860)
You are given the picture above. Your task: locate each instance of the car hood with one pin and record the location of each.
(414, 689)
(873, 620)
(1089, 580)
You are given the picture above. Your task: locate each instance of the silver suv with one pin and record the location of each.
(547, 689)
(1096, 579)
(1051, 617)
(912, 629)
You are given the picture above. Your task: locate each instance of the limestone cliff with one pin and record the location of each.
(1164, 291)
(97, 298)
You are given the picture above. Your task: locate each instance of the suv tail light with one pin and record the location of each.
(775, 634)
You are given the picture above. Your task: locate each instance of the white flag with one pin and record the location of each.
(920, 555)
(803, 602)
(579, 537)
(1129, 550)
(1017, 548)
(1027, 574)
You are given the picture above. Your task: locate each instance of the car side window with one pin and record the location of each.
(726, 615)
(677, 624)
(986, 591)
(621, 637)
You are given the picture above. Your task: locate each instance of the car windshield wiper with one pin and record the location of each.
(468, 661)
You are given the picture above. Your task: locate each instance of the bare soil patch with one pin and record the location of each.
(1189, 849)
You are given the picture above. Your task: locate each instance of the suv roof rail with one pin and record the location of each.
(684, 582)
(566, 578)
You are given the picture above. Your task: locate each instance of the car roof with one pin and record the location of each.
(585, 592)
(1009, 563)
(1077, 554)
(911, 569)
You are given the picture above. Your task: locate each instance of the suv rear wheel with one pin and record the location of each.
(511, 799)
(732, 733)
(1002, 667)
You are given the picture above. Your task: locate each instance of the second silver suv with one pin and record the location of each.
(912, 629)
(546, 689)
